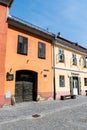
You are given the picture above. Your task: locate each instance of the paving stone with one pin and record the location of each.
(53, 115)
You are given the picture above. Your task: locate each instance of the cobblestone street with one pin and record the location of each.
(53, 115)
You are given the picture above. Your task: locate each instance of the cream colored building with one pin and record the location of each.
(70, 68)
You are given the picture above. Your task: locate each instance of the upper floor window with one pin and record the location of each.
(61, 55)
(74, 59)
(22, 45)
(85, 62)
(41, 50)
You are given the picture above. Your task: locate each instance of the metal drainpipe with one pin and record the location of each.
(54, 93)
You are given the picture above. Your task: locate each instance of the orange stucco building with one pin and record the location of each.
(26, 60)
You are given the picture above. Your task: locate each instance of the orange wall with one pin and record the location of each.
(3, 35)
(16, 62)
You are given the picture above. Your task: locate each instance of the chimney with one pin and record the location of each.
(59, 35)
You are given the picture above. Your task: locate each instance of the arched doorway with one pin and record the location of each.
(26, 86)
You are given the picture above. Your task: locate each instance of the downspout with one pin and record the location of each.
(54, 85)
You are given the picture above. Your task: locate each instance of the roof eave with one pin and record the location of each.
(6, 3)
(71, 45)
(12, 22)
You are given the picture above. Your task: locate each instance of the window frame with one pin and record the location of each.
(41, 50)
(85, 62)
(85, 81)
(22, 47)
(61, 83)
(74, 59)
(61, 55)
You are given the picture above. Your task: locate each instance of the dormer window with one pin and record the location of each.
(74, 59)
(61, 55)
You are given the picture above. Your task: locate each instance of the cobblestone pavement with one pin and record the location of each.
(53, 115)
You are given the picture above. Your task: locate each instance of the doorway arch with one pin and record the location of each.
(25, 86)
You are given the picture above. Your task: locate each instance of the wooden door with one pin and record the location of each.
(24, 91)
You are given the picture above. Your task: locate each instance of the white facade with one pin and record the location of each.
(70, 70)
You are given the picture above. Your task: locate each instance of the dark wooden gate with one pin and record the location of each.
(25, 87)
(24, 91)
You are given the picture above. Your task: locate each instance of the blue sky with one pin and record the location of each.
(65, 16)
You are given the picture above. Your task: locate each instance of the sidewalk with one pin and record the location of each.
(27, 109)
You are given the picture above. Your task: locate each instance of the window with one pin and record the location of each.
(85, 62)
(41, 50)
(61, 81)
(85, 81)
(22, 45)
(74, 59)
(45, 76)
(61, 55)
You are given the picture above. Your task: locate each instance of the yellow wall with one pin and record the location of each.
(68, 70)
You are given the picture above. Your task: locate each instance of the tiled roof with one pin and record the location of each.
(28, 27)
(71, 45)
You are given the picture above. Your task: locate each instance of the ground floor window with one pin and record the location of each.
(85, 81)
(61, 81)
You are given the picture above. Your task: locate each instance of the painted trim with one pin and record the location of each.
(72, 49)
(69, 70)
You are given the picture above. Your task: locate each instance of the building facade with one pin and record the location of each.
(26, 59)
(70, 66)
(35, 64)
(4, 9)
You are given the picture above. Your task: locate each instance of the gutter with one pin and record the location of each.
(54, 84)
(29, 28)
